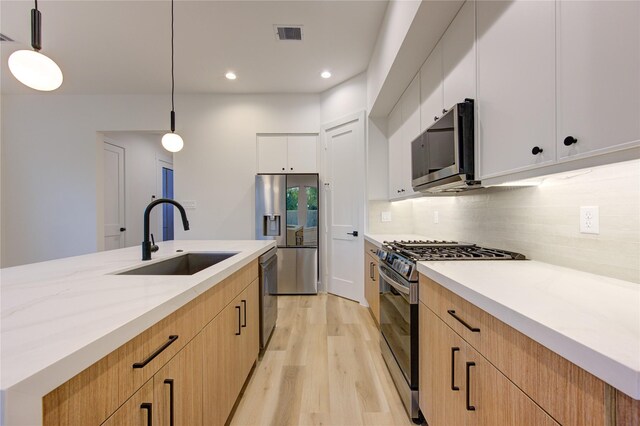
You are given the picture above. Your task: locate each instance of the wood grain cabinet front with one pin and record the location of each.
(171, 357)
(569, 394)
(137, 411)
(371, 281)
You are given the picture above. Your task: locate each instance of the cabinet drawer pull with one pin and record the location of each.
(461, 321)
(239, 321)
(170, 383)
(469, 406)
(453, 369)
(157, 352)
(147, 406)
(371, 270)
(244, 317)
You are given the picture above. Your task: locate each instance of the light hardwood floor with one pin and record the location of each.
(322, 367)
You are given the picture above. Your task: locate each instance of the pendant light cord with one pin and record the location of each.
(172, 76)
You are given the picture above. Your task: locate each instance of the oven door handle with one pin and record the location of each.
(393, 283)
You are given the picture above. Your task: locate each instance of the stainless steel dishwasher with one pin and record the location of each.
(268, 300)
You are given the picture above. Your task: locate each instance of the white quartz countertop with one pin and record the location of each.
(61, 316)
(378, 239)
(591, 320)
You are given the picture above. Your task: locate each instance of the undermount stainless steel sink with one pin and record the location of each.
(187, 264)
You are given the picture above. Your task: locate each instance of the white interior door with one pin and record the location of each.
(345, 195)
(114, 225)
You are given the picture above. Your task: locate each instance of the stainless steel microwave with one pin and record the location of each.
(442, 157)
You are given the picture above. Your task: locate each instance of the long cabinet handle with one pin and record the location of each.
(157, 352)
(463, 322)
(239, 320)
(453, 369)
(469, 406)
(371, 270)
(244, 316)
(147, 406)
(171, 415)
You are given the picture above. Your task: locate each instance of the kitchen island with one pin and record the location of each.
(62, 316)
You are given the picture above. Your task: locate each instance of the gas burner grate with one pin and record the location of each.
(449, 250)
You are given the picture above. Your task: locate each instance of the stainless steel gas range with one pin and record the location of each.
(399, 305)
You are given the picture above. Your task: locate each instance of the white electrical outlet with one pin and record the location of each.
(436, 217)
(385, 216)
(589, 220)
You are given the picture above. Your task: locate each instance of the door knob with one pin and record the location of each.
(123, 229)
(570, 140)
(354, 233)
(444, 111)
(536, 150)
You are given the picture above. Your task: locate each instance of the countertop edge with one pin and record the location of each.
(611, 371)
(21, 397)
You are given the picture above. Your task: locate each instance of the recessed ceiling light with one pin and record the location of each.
(325, 74)
(230, 75)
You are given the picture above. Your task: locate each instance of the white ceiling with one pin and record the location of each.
(123, 47)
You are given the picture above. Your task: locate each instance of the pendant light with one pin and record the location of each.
(172, 142)
(32, 68)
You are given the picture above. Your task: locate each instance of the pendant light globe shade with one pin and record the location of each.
(172, 142)
(35, 70)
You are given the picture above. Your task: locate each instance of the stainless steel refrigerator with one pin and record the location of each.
(287, 211)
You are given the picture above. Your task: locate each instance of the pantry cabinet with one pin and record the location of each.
(287, 153)
(394, 136)
(598, 51)
(516, 86)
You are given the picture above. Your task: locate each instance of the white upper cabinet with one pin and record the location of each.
(459, 57)
(287, 154)
(410, 106)
(394, 136)
(598, 76)
(302, 153)
(516, 85)
(431, 93)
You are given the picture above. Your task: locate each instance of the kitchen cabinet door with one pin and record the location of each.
(272, 154)
(250, 329)
(598, 77)
(441, 382)
(394, 136)
(222, 363)
(516, 85)
(459, 57)
(177, 388)
(371, 286)
(410, 107)
(492, 399)
(431, 90)
(137, 411)
(302, 154)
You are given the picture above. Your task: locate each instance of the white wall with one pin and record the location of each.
(141, 152)
(50, 162)
(217, 166)
(541, 222)
(344, 99)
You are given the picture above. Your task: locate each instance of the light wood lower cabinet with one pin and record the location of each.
(137, 411)
(185, 366)
(508, 364)
(225, 371)
(371, 281)
(460, 387)
(177, 388)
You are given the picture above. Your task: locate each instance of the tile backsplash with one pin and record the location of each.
(542, 222)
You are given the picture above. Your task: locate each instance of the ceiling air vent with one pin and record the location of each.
(5, 38)
(288, 32)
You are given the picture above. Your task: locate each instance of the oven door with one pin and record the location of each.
(399, 321)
